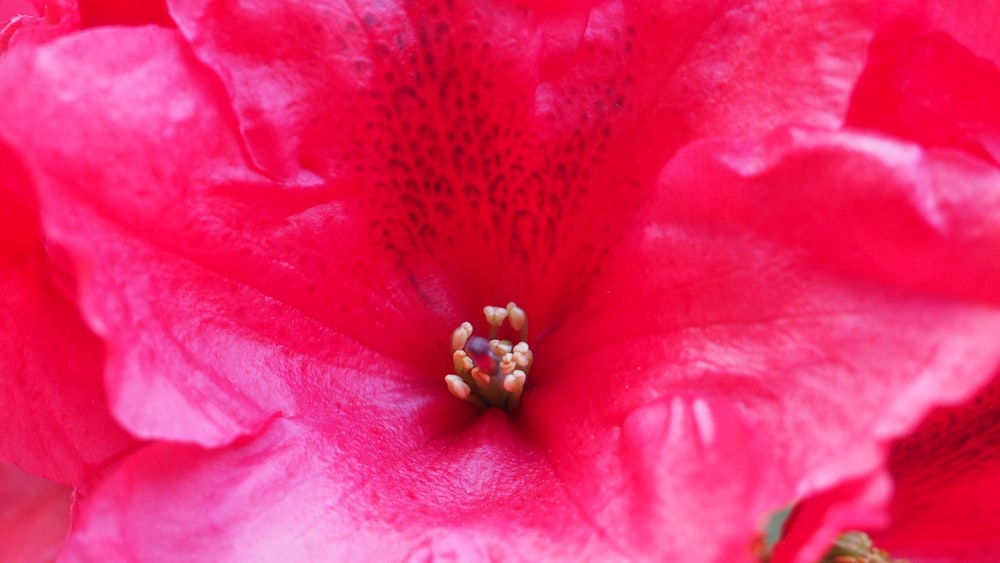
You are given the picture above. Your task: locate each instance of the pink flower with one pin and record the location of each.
(279, 214)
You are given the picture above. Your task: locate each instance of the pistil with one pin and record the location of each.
(491, 372)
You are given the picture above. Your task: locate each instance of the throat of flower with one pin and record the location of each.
(491, 372)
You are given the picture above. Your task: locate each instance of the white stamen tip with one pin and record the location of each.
(495, 315)
(457, 387)
(516, 316)
(514, 382)
(461, 335)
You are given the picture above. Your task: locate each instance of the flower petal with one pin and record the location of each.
(225, 298)
(34, 516)
(826, 289)
(483, 493)
(947, 491)
(124, 12)
(814, 524)
(54, 413)
(933, 91)
(301, 73)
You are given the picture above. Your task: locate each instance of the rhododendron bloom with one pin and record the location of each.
(281, 215)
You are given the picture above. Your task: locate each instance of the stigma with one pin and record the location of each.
(491, 372)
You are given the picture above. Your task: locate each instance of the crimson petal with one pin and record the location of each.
(34, 516)
(484, 493)
(301, 73)
(52, 396)
(947, 491)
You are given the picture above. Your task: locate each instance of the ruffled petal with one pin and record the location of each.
(350, 70)
(823, 290)
(52, 401)
(224, 298)
(947, 490)
(34, 23)
(484, 493)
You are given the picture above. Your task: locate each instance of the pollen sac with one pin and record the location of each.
(491, 372)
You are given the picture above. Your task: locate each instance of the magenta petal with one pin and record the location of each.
(52, 403)
(198, 405)
(947, 491)
(815, 524)
(825, 290)
(303, 73)
(294, 493)
(34, 516)
(934, 91)
(972, 25)
(678, 473)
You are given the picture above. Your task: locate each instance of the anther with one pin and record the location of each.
(457, 387)
(514, 382)
(461, 335)
(500, 347)
(495, 315)
(463, 363)
(516, 315)
(507, 364)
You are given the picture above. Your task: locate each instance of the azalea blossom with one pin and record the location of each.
(279, 214)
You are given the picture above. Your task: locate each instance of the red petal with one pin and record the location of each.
(933, 91)
(972, 25)
(124, 12)
(38, 24)
(11, 8)
(821, 287)
(304, 73)
(34, 516)
(293, 493)
(52, 401)
(947, 491)
(814, 524)
(223, 297)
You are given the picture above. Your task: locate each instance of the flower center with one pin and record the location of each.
(491, 372)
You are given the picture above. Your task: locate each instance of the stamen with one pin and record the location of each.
(457, 387)
(495, 315)
(514, 382)
(463, 362)
(517, 316)
(461, 335)
(491, 372)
